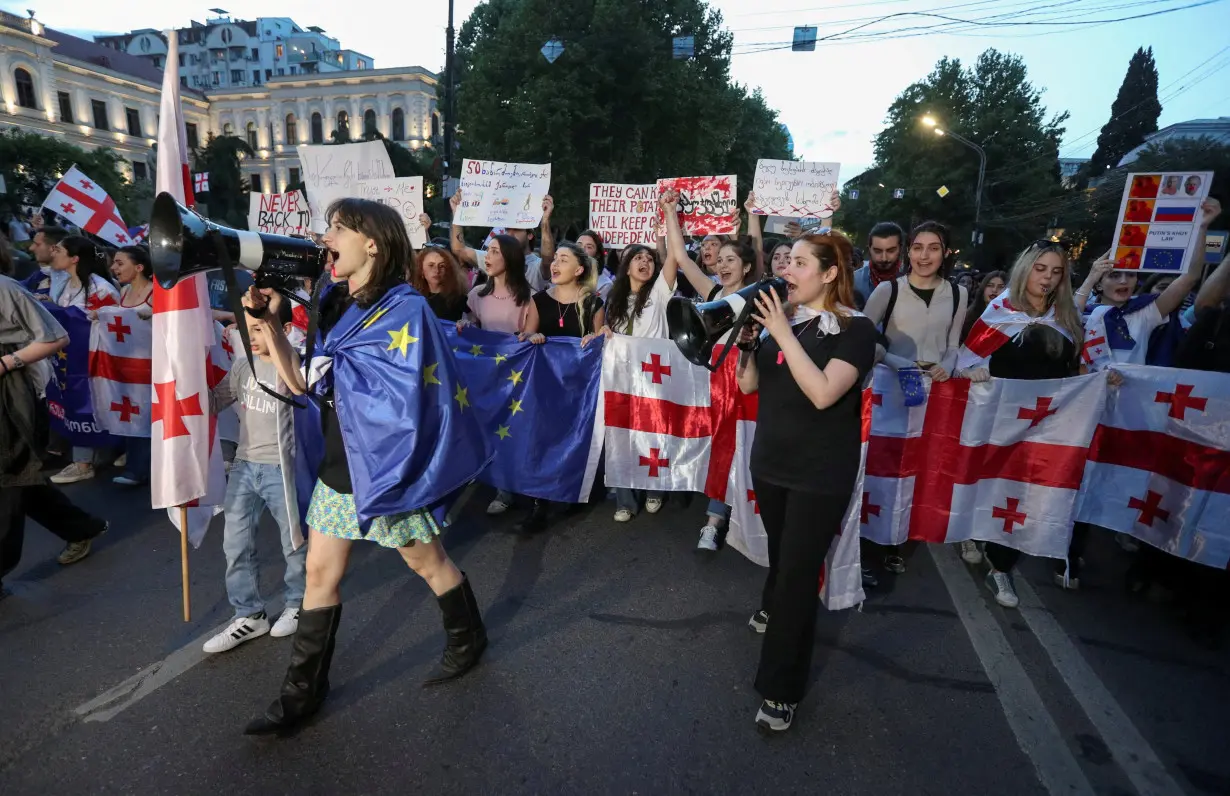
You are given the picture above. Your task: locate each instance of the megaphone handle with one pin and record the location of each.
(744, 316)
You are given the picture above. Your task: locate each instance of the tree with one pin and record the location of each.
(32, 164)
(609, 108)
(228, 189)
(994, 105)
(1133, 116)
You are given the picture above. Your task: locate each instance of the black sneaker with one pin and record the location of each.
(759, 622)
(894, 564)
(870, 581)
(775, 716)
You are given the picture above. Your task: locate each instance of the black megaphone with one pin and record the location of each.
(697, 327)
(182, 243)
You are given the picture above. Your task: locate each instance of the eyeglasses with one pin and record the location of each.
(1047, 243)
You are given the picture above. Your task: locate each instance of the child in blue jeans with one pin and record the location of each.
(255, 483)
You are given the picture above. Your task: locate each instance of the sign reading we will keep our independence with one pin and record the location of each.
(624, 215)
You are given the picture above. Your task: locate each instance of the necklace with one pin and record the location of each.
(563, 308)
(781, 355)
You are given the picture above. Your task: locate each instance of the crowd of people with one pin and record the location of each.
(807, 356)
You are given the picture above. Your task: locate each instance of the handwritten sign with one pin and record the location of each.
(403, 194)
(332, 172)
(706, 204)
(795, 189)
(279, 213)
(495, 194)
(623, 214)
(1158, 218)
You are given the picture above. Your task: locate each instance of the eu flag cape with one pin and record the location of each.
(411, 433)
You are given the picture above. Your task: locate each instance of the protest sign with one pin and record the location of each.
(795, 189)
(332, 172)
(776, 225)
(404, 195)
(1158, 219)
(623, 214)
(279, 213)
(706, 204)
(495, 194)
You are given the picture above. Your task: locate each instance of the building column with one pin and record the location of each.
(304, 126)
(262, 129)
(384, 122)
(7, 87)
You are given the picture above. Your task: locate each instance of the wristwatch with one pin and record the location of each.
(18, 364)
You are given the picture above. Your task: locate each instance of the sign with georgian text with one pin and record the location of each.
(497, 194)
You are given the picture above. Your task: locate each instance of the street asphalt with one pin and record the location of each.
(620, 662)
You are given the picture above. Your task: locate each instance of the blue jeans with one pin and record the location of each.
(630, 498)
(718, 509)
(137, 449)
(250, 489)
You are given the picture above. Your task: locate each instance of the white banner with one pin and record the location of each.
(624, 214)
(404, 195)
(331, 172)
(795, 189)
(279, 213)
(496, 194)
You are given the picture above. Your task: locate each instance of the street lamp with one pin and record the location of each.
(933, 123)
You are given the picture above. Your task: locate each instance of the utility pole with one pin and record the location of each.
(450, 103)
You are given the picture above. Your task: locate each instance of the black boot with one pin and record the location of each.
(307, 678)
(536, 521)
(467, 638)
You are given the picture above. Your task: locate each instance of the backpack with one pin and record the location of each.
(882, 336)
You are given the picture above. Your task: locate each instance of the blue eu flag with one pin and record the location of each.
(68, 392)
(412, 435)
(537, 403)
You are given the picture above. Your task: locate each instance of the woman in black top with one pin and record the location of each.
(809, 371)
(436, 274)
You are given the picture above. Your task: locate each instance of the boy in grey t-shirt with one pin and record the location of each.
(255, 483)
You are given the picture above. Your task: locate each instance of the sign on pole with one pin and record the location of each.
(1158, 218)
(623, 214)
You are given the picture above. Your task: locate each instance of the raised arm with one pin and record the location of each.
(753, 231)
(546, 245)
(283, 354)
(1172, 297)
(1215, 288)
(456, 240)
(701, 283)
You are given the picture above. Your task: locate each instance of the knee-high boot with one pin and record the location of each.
(307, 677)
(467, 638)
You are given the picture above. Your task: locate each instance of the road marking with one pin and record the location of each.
(1127, 746)
(1035, 730)
(108, 705)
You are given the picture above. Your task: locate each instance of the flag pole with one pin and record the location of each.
(183, 561)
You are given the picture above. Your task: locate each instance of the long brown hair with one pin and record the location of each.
(452, 284)
(833, 249)
(383, 225)
(618, 313)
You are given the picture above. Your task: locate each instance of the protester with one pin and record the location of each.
(536, 275)
(991, 286)
(885, 246)
(131, 269)
(255, 483)
(808, 370)
(47, 280)
(591, 242)
(407, 493)
(436, 274)
(778, 253)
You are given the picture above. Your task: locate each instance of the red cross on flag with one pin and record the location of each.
(1000, 461)
(1159, 464)
(84, 202)
(200, 182)
(120, 346)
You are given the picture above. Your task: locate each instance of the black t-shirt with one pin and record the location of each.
(447, 308)
(564, 320)
(924, 293)
(1032, 356)
(1207, 344)
(334, 466)
(798, 446)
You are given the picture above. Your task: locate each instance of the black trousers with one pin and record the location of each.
(800, 527)
(1005, 558)
(49, 507)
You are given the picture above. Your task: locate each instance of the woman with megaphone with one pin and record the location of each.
(808, 365)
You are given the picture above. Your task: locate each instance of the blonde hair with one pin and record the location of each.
(1060, 298)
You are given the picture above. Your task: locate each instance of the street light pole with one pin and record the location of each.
(450, 119)
(930, 121)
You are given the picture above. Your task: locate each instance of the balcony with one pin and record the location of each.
(311, 57)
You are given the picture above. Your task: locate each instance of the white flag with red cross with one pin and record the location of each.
(1000, 461)
(1159, 464)
(85, 203)
(120, 350)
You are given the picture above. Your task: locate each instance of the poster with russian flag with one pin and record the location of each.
(1158, 220)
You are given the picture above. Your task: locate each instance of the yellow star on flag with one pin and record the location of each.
(429, 374)
(515, 406)
(500, 358)
(515, 378)
(62, 354)
(460, 397)
(375, 316)
(401, 339)
(476, 350)
(503, 433)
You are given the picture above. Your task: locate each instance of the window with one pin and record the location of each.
(236, 75)
(318, 134)
(133, 117)
(228, 129)
(362, 63)
(255, 181)
(256, 54)
(181, 59)
(281, 72)
(278, 50)
(25, 89)
(183, 81)
(268, 73)
(251, 133)
(100, 114)
(292, 70)
(369, 122)
(435, 125)
(226, 35)
(140, 173)
(256, 77)
(190, 131)
(66, 107)
(294, 176)
(292, 134)
(217, 78)
(399, 125)
(157, 59)
(343, 123)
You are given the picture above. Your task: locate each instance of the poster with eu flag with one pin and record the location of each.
(541, 408)
(68, 391)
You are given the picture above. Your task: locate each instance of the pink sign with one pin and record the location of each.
(706, 204)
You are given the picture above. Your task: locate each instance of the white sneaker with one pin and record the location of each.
(970, 553)
(287, 624)
(125, 480)
(708, 539)
(122, 462)
(77, 471)
(1001, 586)
(497, 507)
(623, 515)
(775, 716)
(653, 505)
(245, 628)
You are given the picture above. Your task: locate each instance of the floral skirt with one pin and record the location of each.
(333, 514)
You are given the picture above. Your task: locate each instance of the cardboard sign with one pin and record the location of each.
(403, 194)
(624, 214)
(495, 194)
(332, 172)
(1158, 219)
(795, 189)
(279, 213)
(776, 225)
(707, 205)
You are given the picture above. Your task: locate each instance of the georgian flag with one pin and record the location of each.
(1106, 330)
(120, 346)
(84, 202)
(1159, 464)
(999, 323)
(1000, 461)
